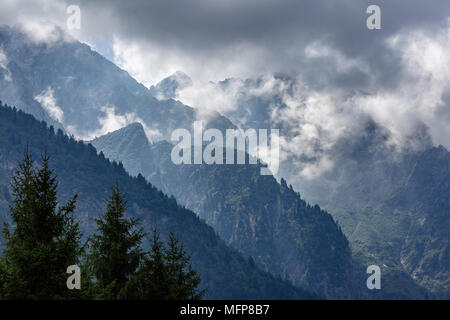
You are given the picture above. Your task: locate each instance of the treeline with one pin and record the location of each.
(43, 247)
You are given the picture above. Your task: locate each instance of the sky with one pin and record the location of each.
(341, 71)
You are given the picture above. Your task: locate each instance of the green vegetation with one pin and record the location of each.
(265, 220)
(80, 170)
(408, 233)
(45, 240)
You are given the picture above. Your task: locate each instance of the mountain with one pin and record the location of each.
(263, 219)
(408, 229)
(168, 87)
(392, 215)
(225, 272)
(72, 87)
(425, 197)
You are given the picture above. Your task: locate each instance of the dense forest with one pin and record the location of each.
(261, 218)
(80, 170)
(44, 241)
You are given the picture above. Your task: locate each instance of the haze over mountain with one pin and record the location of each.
(230, 199)
(369, 173)
(357, 177)
(66, 83)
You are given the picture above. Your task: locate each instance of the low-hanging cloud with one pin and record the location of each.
(112, 121)
(47, 100)
(316, 118)
(338, 75)
(4, 66)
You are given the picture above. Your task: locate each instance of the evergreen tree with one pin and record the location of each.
(115, 249)
(151, 282)
(44, 239)
(183, 280)
(166, 273)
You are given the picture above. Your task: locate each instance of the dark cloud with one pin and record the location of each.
(279, 31)
(204, 24)
(323, 43)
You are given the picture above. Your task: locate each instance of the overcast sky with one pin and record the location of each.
(399, 75)
(224, 38)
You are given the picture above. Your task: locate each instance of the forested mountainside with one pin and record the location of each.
(229, 198)
(224, 271)
(410, 230)
(362, 191)
(426, 196)
(255, 214)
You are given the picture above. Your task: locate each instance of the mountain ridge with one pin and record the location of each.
(80, 169)
(261, 218)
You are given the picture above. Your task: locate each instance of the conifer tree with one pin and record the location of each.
(166, 273)
(115, 252)
(44, 239)
(183, 280)
(152, 279)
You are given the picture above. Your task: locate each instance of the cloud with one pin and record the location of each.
(111, 122)
(209, 97)
(48, 102)
(44, 32)
(4, 65)
(150, 63)
(213, 40)
(316, 119)
(419, 99)
(37, 18)
(337, 74)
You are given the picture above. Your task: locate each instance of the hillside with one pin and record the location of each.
(409, 230)
(255, 214)
(225, 272)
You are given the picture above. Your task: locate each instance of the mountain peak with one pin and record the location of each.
(168, 87)
(134, 129)
(135, 126)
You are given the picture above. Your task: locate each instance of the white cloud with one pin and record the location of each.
(418, 99)
(150, 63)
(316, 119)
(318, 49)
(4, 65)
(314, 122)
(48, 102)
(317, 116)
(43, 31)
(209, 97)
(111, 122)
